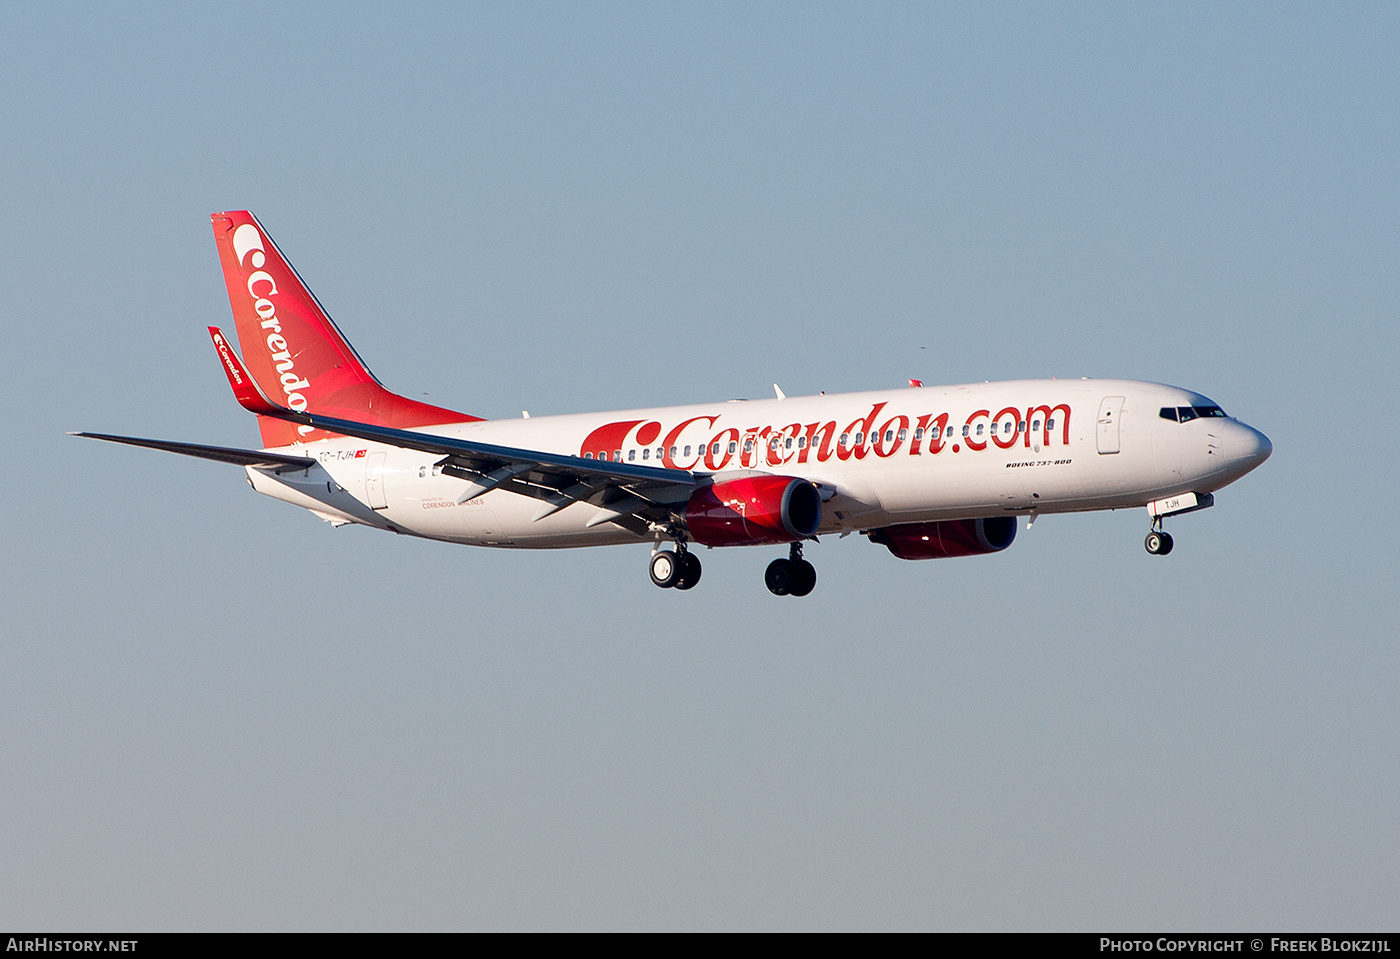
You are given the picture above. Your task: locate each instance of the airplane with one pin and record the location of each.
(925, 472)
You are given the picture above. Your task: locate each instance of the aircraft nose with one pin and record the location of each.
(1248, 447)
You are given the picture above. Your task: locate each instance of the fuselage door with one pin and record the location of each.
(1110, 410)
(374, 481)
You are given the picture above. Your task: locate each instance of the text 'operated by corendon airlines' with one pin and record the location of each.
(926, 472)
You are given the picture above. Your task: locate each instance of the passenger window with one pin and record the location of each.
(1049, 424)
(860, 438)
(588, 456)
(1020, 426)
(1035, 426)
(845, 439)
(687, 450)
(903, 435)
(1006, 427)
(631, 455)
(673, 452)
(646, 452)
(617, 456)
(732, 447)
(918, 432)
(965, 429)
(949, 433)
(802, 442)
(979, 429)
(787, 444)
(748, 446)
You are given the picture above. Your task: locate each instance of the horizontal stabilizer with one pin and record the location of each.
(223, 454)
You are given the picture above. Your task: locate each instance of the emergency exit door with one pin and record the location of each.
(1110, 411)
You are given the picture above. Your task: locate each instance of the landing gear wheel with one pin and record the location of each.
(803, 578)
(1158, 544)
(778, 577)
(689, 572)
(665, 568)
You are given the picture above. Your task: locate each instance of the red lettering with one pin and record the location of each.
(1049, 414)
(934, 433)
(721, 440)
(787, 444)
(674, 435)
(891, 429)
(997, 434)
(971, 443)
(859, 426)
(828, 433)
(648, 433)
(607, 437)
(754, 441)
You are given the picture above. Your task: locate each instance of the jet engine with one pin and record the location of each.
(754, 510)
(954, 537)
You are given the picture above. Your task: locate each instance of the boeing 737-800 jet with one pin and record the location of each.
(925, 472)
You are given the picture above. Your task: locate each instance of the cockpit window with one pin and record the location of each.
(1185, 414)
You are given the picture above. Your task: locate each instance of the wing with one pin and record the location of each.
(223, 454)
(629, 495)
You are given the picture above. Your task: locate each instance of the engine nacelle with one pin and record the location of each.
(754, 510)
(954, 537)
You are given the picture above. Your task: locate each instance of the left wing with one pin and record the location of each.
(629, 495)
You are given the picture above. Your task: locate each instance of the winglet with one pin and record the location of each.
(245, 388)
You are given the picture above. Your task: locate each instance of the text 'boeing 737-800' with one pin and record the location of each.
(926, 472)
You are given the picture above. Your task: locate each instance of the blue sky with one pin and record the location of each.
(218, 713)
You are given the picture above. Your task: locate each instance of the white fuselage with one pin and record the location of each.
(882, 458)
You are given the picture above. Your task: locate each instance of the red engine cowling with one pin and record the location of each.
(754, 510)
(954, 537)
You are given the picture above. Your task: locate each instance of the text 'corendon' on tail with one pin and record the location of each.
(293, 349)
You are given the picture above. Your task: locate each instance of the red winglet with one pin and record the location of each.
(245, 388)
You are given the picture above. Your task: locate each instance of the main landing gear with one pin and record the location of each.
(675, 569)
(680, 569)
(793, 576)
(1158, 542)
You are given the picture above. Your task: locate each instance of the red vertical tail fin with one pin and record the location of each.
(293, 349)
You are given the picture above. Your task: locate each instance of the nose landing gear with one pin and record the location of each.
(793, 576)
(1158, 542)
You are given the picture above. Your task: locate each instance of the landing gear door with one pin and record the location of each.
(1110, 410)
